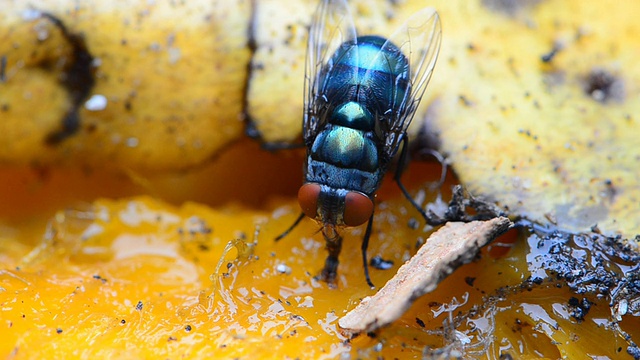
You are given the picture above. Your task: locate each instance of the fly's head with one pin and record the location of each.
(335, 207)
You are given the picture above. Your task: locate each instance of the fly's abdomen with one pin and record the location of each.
(366, 73)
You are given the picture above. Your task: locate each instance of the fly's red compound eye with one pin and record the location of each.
(308, 199)
(358, 208)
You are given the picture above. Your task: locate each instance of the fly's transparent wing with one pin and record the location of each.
(331, 26)
(419, 40)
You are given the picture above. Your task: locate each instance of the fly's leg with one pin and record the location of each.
(286, 232)
(365, 245)
(397, 177)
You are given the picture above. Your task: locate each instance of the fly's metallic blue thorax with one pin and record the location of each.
(364, 85)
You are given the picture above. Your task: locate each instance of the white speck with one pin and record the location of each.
(283, 269)
(96, 103)
(281, 211)
(307, 303)
(243, 291)
(42, 30)
(132, 142)
(31, 14)
(174, 55)
(463, 338)
(598, 95)
(96, 62)
(621, 309)
(92, 230)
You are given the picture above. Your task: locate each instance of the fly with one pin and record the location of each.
(360, 94)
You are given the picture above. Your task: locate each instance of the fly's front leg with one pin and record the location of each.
(365, 245)
(295, 223)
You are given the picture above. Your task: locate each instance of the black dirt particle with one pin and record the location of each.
(3, 67)
(465, 101)
(548, 57)
(59, 330)
(469, 280)
(139, 305)
(187, 328)
(379, 263)
(602, 86)
(98, 277)
(420, 322)
(123, 321)
(573, 301)
(579, 309)
(506, 356)
(509, 7)
(413, 224)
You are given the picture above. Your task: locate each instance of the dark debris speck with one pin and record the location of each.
(505, 356)
(469, 280)
(98, 277)
(579, 308)
(603, 86)
(548, 57)
(509, 7)
(377, 262)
